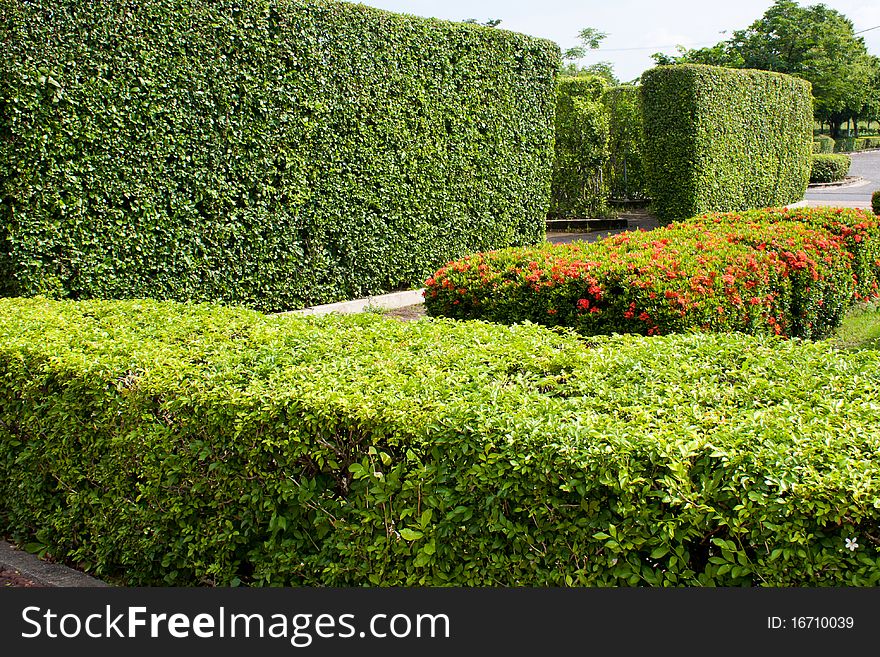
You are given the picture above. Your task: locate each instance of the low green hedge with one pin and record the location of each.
(828, 168)
(875, 202)
(823, 144)
(163, 443)
(753, 276)
(868, 143)
(852, 144)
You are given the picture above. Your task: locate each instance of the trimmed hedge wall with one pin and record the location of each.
(748, 273)
(163, 443)
(828, 167)
(721, 139)
(272, 154)
(624, 171)
(853, 144)
(579, 188)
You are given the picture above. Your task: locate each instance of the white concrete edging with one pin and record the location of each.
(384, 301)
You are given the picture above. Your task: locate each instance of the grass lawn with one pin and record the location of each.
(860, 329)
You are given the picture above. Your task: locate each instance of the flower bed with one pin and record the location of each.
(859, 230)
(753, 273)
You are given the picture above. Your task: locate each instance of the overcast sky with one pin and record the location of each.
(636, 28)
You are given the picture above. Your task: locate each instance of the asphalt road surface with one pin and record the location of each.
(865, 165)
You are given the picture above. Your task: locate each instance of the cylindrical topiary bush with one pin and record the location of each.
(762, 161)
(829, 167)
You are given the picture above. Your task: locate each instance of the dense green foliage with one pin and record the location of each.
(164, 443)
(829, 167)
(269, 153)
(578, 188)
(778, 272)
(624, 171)
(823, 144)
(875, 202)
(720, 139)
(815, 43)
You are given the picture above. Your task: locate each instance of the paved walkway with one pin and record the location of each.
(21, 569)
(865, 165)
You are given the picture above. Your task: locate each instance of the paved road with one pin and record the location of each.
(865, 165)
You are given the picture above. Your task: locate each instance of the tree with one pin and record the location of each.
(590, 39)
(492, 22)
(815, 43)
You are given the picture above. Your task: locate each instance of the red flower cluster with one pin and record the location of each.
(780, 272)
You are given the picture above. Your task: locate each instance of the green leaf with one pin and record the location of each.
(410, 534)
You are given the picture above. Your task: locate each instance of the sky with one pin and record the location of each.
(636, 28)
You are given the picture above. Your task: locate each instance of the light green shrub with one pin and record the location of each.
(162, 443)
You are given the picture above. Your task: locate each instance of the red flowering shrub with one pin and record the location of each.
(860, 230)
(775, 277)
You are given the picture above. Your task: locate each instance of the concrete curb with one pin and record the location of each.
(384, 301)
(42, 572)
(849, 181)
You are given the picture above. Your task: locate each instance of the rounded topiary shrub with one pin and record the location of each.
(823, 144)
(875, 202)
(829, 167)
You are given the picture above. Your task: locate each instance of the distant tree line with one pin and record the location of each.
(815, 43)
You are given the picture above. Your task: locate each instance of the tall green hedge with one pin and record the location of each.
(624, 170)
(578, 188)
(721, 139)
(164, 443)
(265, 152)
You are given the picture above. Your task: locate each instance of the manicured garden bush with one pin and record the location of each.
(721, 139)
(165, 443)
(624, 171)
(788, 272)
(829, 168)
(269, 154)
(875, 202)
(823, 144)
(868, 143)
(578, 188)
